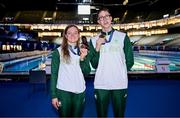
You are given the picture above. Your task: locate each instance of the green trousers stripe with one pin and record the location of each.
(103, 98)
(72, 105)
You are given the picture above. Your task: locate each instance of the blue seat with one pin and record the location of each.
(38, 78)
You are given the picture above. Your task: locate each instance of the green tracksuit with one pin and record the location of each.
(112, 62)
(68, 84)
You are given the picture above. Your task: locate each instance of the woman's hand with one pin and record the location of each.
(56, 103)
(83, 53)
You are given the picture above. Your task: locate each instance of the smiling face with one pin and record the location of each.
(104, 19)
(72, 35)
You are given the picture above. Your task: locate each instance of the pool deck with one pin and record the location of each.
(131, 75)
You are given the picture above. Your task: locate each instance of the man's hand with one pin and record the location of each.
(99, 42)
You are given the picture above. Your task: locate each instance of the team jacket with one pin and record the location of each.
(113, 61)
(68, 77)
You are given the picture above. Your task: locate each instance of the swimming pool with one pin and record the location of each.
(143, 62)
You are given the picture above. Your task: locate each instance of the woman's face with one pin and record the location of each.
(72, 35)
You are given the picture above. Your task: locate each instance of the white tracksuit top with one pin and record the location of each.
(111, 72)
(70, 76)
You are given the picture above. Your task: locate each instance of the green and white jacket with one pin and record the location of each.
(68, 77)
(113, 61)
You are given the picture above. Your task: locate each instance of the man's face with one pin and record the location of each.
(104, 19)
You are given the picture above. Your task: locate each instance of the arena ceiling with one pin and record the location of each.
(70, 4)
(117, 7)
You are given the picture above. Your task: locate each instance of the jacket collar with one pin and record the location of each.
(107, 33)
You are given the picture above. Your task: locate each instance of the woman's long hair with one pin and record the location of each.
(64, 46)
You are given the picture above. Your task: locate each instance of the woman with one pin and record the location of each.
(67, 80)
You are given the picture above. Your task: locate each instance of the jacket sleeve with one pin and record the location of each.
(93, 55)
(85, 66)
(54, 72)
(129, 56)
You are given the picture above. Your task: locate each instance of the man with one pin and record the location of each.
(111, 53)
